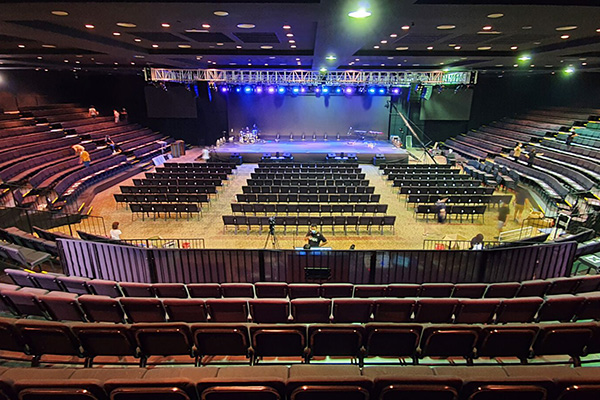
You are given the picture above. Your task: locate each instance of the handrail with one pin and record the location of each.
(167, 243)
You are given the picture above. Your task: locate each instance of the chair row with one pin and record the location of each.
(25, 239)
(320, 187)
(166, 209)
(427, 210)
(210, 164)
(458, 199)
(307, 221)
(186, 175)
(458, 176)
(76, 182)
(316, 208)
(532, 288)
(161, 198)
(462, 182)
(12, 156)
(308, 198)
(337, 176)
(408, 167)
(203, 342)
(177, 182)
(302, 171)
(168, 189)
(211, 169)
(299, 166)
(96, 308)
(307, 182)
(445, 190)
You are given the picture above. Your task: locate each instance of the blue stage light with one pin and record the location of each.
(325, 89)
(371, 90)
(382, 90)
(281, 90)
(238, 89)
(302, 89)
(396, 90)
(349, 90)
(247, 89)
(271, 89)
(338, 90)
(258, 89)
(317, 90)
(295, 90)
(224, 89)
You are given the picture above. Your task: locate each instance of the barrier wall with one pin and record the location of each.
(131, 264)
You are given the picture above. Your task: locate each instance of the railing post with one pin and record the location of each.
(372, 266)
(151, 266)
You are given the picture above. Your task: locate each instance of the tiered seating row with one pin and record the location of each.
(459, 199)
(444, 190)
(21, 238)
(146, 189)
(307, 221)
(323, 187)
(462, 181)
(317, 208)
(290, 197)
(296, 165)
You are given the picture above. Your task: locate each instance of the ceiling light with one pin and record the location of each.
(246, 26)
(405, 27)
(584, 63)
(292, 41)
(331, 58)
(457, 47)
(238, 47)
(445, 27)
(537, 42)
(221, 13)
(137, 40)
(184, 46)
(289, 34)
(401, 48)
(515, 65)
(532, 65)
(219, 44)
(287, 27)
(394, 35)
(293, 46)
(383, 41)
(569, 70)
(524, 58)
(39, 57)
(514, 47)
(598, 30)
(155, 46)
(566, 28)
(495, 15)
(498, 65)
(116, 34)
(138, 56)
(526, 27)
(266, 47)
(565, 37)
(360, 13)
(487, 28)
(89, 26)
(126, 25)
(60, 13)
(165, 25)
(206, 26)
(430, 48)
(49, 46)
(375, 47)
(21, 46)
(116, 63)
(390, 58)
(484, 48)
(66, 61)
(196, 31)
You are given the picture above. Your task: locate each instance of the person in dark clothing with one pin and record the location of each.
(570, 138)
(477, 242)
(520, 198)
(503, 212)
(532, 155)
(314, 238)
(441, 210)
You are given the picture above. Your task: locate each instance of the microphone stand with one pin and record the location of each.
(412, 132)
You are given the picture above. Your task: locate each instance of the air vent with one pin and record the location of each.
(257, 37)
(208, 37)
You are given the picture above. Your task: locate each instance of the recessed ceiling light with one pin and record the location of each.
(405, 27)
(514, 47)
(394, 35)
(116, 63)
(206, 26)
(566, 28)
(289, 34)
(60, 13)
(532, 65)
(383, 65)
(498, 65)
(548, 65)
(155, 45)
(292, 41)
(116, 33)
(360, 13)
(21, 46)
(39, 57)
(66, 61)
(416, 65)
(430, 48)
(484, 48)
(138, 56)
(246, 26)
(495, 15)
(357, 59)
(196, 31)
(515, 65)
(126, 25)
(390, 58)
(331, 58)
(565, 37)
(451, 45)
(184, 46)
(137, 40)
(89, 26)
(487, 28)
(399, 65)
(297, 59)
(221, 13)
(219, 44)
(238, 47)
(293, 46)
(526, 27)
(537, 42)
(287, 27)
(49, 46)
(445, 27)
(375, 47)
(584, 63)
(457, 47)
(271, 58)
(401, 48)
(266, 47)
(598, 30)
(165, 25)
(383, 41)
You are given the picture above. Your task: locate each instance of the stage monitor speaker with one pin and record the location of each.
(379, 159)
(236, 158)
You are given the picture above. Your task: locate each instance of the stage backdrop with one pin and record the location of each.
(307, 114)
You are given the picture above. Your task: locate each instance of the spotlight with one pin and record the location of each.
(317, 90)
(247, 89)
(238, 89)
(371, 90)
(349, 90)
(382, 90)
(295, 90)
(281, 90)
(338, 90)
(302, 89)
(224, 89)
(271, 89)
(258, 89)
(325, 90)
(395, 91)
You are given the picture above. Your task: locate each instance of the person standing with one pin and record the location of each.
(109, 142)
(115, 233)
(503, 212)
(116, 115)
(92, 112)
(570, 138)
(518, 150)
(441, 210)
(314, 238)
(205, 154)
(520, 198)
(84, 158)
(532, 156)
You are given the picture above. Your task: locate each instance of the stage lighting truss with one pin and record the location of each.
(302, 77)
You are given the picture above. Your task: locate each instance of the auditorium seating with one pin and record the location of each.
(21, 238)
(316, 208)
(306, 221)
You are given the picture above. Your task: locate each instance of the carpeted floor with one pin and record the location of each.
(409, 233)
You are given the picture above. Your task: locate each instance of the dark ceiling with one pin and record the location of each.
(400, 34)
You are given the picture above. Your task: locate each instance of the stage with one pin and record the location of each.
(313, 151)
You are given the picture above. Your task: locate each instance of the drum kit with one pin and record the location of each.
(248, 136)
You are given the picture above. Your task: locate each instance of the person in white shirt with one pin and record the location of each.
(116, 115)
(115, 232)
(205, 154)
(93, 113)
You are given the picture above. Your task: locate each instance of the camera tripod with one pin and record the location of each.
(273, 238)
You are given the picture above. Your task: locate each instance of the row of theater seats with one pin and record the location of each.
(96, 308)
(532, 288)
(204, 342)
(302, 382)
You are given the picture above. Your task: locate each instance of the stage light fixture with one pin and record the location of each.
(238, 89)
(325, 90)
(281, 90)
(338, 90)
(295, 90)
(396, 91)
(382, 90)
(317, 90)
(258, 89)
(247, 89)
(360, 13)
(349, 90)
(271, 89)
(224, 89)
(371, 90)
(302, 89)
